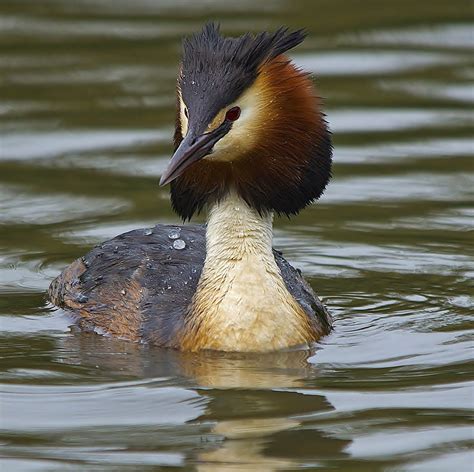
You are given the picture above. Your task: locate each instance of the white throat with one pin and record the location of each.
(242, 303)
(235, 231)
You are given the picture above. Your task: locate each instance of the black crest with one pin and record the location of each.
(222, 68)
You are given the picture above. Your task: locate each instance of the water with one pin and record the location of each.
(86, 120)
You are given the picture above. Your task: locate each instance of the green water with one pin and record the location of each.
(86, 116)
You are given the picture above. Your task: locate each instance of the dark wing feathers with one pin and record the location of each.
(135, 285)
(304, 295)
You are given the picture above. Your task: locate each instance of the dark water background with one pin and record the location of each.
(86, 115)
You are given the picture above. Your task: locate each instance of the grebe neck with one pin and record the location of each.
(234, 230)
(241, 302)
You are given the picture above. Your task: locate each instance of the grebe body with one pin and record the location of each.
(138, 287)
(250, 141)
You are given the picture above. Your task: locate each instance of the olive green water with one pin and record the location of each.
(86, 117)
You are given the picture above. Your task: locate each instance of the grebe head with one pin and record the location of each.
(248, 120)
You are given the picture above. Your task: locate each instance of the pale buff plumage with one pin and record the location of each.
(242, 303)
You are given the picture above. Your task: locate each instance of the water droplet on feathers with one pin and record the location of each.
(81, 298)
(174, 234)
(179, 244)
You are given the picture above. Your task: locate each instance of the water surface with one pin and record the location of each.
(86, 116)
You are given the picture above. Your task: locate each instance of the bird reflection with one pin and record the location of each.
(251, 398)
(206, 369)
(244, 446)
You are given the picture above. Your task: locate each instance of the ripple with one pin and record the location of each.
(459, 219)
(440, 36)
(32, 408)
(373, 62)
(449, 187)
(452, 396)
(19, 274)
(396, 348)
(93, 234)
(35, 145)
(114, 164)
(376, 120)
(349, 259)
(50, 324)
(399, 151)
(448, 91)
(442, 461)
(393, 443)
(16, 204)
(30, 26)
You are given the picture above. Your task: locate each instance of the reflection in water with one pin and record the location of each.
(206, 370)
(246, 395)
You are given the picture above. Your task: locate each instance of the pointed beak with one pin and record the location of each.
(191, 150)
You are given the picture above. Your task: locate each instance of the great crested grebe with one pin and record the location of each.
(250, 141)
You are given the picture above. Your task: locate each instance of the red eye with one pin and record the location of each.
(233, 114)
